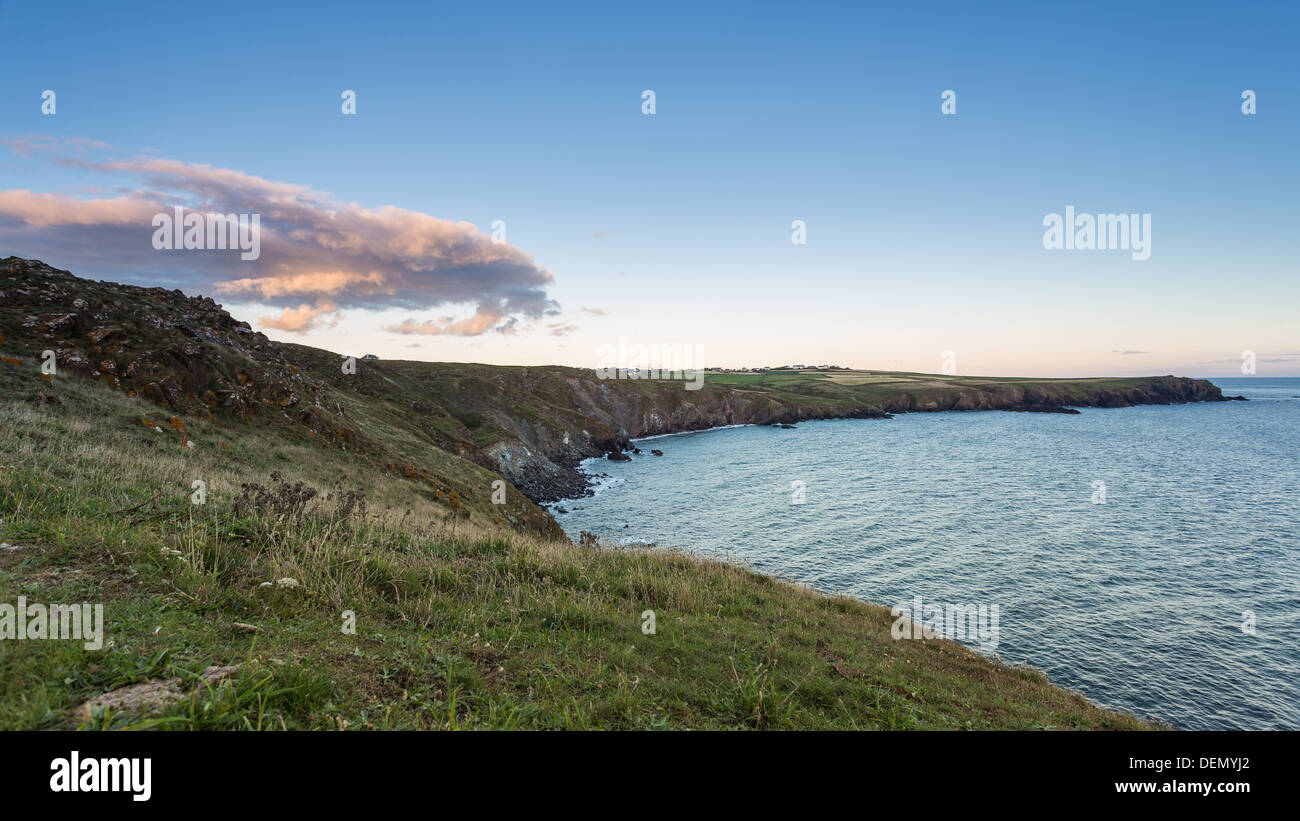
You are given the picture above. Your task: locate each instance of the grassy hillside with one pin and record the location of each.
(460, 623)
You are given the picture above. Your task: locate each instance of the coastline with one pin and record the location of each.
(580, 484)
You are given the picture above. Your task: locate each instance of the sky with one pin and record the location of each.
(500, 195)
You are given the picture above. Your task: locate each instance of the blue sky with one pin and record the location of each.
(924, 230)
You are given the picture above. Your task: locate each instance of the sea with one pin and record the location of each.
(1147, 557)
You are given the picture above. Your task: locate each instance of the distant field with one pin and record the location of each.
(791, 380)
(735, 378)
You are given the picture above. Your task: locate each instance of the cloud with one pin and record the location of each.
(560, 328)
(509, 327)
(55, 210)
(593, 311)
(303, 318)
(29, 145)
(473, 326)
(1271, 358)
(322, 282)
(1130, 353)
(318, 255)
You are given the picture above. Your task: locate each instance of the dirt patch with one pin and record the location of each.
(490, 663)
(12, 554)
(94, 565)
(361, 678)
(155, 695)
(839, 664)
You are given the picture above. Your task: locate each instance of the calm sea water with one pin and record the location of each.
(1137, 601)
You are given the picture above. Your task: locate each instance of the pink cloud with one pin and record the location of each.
(473, 326)
(319, 282)
(44, 210)
(315, 249)
(301, 319)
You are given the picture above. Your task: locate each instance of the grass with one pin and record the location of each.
(461, 621)
(854, 387)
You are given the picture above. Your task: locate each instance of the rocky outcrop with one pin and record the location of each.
(185, 353)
